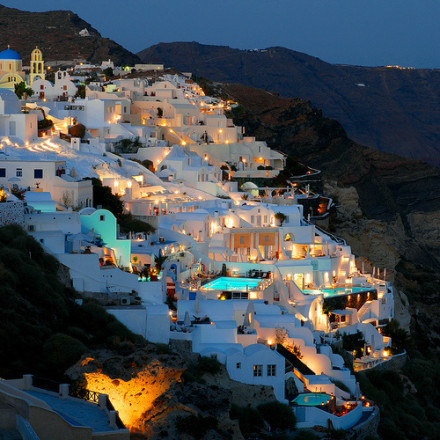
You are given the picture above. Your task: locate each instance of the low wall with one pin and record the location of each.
(12, 213)
(48, 425)
(367, 428)
(310, 416)
(395, 363)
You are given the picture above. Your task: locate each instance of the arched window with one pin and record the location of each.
(289, 237)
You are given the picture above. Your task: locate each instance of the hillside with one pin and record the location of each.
(57, 34)
(390, 109)
(388, 205)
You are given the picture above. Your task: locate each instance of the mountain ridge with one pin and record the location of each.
(388, 108)
(47, 29)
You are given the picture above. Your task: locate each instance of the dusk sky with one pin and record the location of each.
(364, 32)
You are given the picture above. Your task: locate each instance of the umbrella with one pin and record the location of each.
(186, 320)
(197, 304)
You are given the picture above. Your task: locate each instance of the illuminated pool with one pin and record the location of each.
(233, 284)
(337, 291)
(312, 399)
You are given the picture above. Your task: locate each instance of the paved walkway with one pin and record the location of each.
(77, 412)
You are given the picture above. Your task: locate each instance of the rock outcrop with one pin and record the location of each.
(150, 389)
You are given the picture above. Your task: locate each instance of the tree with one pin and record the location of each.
(108, 72)
(127, 145)
(278, 415)
(81, 91)
(45, 123)
(280, 217)
(400, 337)
(78, 130)
(21, 90)
(103, 196)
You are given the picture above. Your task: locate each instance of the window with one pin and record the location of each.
(238, 365)
(271, 370)
(242, 240)
(101, 218)
(19, 172)
(31, 228)
(252, 219)
(258, 370)
(42, 87)
(2, 172)
(12, 130)
(214, 356)
(38, 174)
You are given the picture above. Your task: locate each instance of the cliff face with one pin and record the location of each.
(388, 205)
(152, 389)
(57, 34)
(390, 109)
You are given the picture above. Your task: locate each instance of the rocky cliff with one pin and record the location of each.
(388, 205)
(388, 108)
(57, 34)
(153, 388)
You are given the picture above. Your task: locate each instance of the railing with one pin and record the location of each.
(84, 394)
(118, 420)
(45, 384)
(334, 237)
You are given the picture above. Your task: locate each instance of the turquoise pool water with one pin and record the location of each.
(338, 291)
(312, 399)
(233, 284)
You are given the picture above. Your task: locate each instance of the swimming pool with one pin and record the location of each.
(312, 399)
(337, 291)
(232, 284)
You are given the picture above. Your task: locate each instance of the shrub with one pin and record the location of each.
(45, 123)
(354, 342)
(62, 350)
(127, 223)
(249, 419)
(306, 435)
(197, 426)
(78, 130)
(208, 365)
(278, 415)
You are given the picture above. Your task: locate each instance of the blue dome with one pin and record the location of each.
(9, 54)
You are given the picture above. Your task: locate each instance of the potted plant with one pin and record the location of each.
(280, 218)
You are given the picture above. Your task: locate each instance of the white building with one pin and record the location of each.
(15, 125)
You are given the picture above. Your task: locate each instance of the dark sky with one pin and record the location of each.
(363, 32)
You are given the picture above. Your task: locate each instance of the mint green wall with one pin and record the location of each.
(107, 229)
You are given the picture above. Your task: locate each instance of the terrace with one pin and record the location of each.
(70, 413)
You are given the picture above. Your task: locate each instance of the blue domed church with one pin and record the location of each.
(11, 69)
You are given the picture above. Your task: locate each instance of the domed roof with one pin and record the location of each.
(9, 54)
(249, 185)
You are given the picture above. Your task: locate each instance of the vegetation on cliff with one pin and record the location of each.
(42, 329)
(57, 35)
